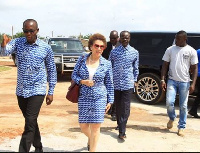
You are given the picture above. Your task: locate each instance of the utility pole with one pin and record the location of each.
(12, 32)
(52, 33)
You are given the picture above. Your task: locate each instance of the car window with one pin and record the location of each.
(146, 43)
(194, 41)
(59, 46)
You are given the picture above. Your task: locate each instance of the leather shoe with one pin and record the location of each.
(38, 150)
(114, 118)
(195, 115)
(122, 136)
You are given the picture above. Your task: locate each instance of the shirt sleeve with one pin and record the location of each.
(75, 75)
(109, 84)
(11, 47)
(194, 58)
(51, 71)
(166, 56)
(136, 67)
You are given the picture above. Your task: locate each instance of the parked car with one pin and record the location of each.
(66, 53)
(151, 47)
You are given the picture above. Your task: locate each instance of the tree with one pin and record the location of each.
(84, 37)
(87, 36)
(19, 34)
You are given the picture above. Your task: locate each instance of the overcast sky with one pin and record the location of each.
(72, 17)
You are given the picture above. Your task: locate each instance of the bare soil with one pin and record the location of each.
(146, 128)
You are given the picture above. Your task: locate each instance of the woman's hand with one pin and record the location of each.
(88, 83)
(107, 107)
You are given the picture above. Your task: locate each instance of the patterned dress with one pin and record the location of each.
(93, 100)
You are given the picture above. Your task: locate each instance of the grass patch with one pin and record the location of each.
(4, 68)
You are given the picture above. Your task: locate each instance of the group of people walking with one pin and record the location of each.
(107, 77)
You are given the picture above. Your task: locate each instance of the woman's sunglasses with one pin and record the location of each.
(97, 46)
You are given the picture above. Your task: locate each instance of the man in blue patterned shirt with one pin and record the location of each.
(125, 60)
(35, 67)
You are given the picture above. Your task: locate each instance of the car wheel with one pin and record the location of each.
(148, 90)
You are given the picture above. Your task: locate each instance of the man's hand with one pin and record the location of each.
(191, 89)
(163, 85)
(49, 99)
(135, 84)
(107, 108)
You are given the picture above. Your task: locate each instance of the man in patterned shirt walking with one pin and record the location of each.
(125, 61)
(35, 68)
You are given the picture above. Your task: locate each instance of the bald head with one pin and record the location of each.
(30, 22)
(30, 29)
(114, 37)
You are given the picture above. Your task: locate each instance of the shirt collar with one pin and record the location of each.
(125, 48)
(37, 42)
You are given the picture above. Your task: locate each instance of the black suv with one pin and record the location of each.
(151, 47)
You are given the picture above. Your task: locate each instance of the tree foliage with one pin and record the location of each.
(84, 37)
(19, 34)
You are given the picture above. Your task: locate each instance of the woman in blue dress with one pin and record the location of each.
(94, 75)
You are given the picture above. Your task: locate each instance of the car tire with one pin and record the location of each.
(149, 90)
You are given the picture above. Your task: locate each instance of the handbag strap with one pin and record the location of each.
(82, 57)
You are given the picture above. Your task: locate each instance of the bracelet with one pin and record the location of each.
(162, 80)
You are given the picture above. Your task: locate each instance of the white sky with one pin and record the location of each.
(72, 17)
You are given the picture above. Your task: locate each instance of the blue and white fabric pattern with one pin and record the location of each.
(92, 100)
(125, 61)
(35, 63)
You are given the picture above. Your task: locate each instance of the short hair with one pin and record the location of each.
(124, 32)
(114, 32)
(182, 32)
(30, 20)
(94, 37)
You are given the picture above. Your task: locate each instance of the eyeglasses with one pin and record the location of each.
(27, 31)
(97, 46)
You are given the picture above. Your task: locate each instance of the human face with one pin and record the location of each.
(30, 31)
(180, 40)
(97, 48)
(124, 38)
(114, 39)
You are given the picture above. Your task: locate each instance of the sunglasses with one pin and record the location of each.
(27, 31)
(113, 37)
(97, 46)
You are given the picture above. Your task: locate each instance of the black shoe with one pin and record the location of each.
(88, 147)
(122, 136)
(114, 118)
(117, 128)
(195, 115)
(38, 150)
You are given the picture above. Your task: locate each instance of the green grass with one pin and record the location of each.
(4, 68)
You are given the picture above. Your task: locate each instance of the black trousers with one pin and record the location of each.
(30, 108)
(122, 100)
(197, 99)
(113, 109)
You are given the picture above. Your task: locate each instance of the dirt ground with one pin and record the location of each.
(146, 128)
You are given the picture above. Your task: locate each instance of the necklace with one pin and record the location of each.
(90, 58)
